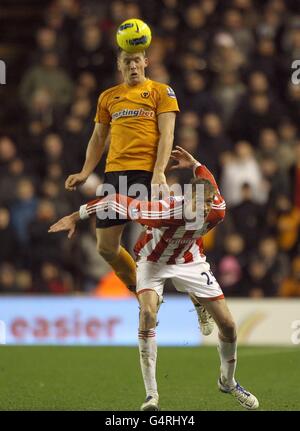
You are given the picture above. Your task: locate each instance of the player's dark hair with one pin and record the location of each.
(208, 186)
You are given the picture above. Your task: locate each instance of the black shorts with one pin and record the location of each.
(120, 186)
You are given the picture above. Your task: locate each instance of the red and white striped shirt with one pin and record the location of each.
(166, 238)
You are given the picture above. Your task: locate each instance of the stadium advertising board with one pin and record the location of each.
(273, 321)
(91, 321)
(94, 321)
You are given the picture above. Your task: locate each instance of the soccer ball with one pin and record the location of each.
(133, 35)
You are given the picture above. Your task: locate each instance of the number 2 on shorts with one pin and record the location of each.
(209, 281)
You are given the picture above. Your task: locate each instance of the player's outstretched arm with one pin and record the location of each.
(67, 223)
(151, 213)
(94, 153)
(154, 214)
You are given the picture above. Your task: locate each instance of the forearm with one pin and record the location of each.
(94, 153)
(75, 216)
(201, 171)
(164, 149)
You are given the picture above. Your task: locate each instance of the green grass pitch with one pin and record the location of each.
(109, 378)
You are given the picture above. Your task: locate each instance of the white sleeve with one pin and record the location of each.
(196, 165)
(83, 214)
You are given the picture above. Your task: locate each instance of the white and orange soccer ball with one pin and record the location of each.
(133, 35)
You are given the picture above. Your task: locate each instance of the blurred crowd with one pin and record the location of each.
(229, 62)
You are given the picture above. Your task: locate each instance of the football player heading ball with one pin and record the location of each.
(138, 116)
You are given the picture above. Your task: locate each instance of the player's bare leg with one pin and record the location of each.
(149, 303)
(227, 338)
(206, 322)
(227, 348)
(108, 246)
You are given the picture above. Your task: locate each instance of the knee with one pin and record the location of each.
(109, 254)
(228, 329)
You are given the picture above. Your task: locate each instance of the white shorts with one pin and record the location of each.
(194, 277)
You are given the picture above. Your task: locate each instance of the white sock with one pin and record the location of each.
(228, 357)
(148, 354)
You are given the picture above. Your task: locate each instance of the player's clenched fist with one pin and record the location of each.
(75, 180)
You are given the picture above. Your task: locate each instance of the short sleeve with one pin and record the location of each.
(102, 114)
(167, 101)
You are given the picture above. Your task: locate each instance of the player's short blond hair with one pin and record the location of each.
(120, 50)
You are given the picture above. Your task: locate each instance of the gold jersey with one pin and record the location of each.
(132, 112)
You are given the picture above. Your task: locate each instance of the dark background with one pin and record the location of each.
(229, 62)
